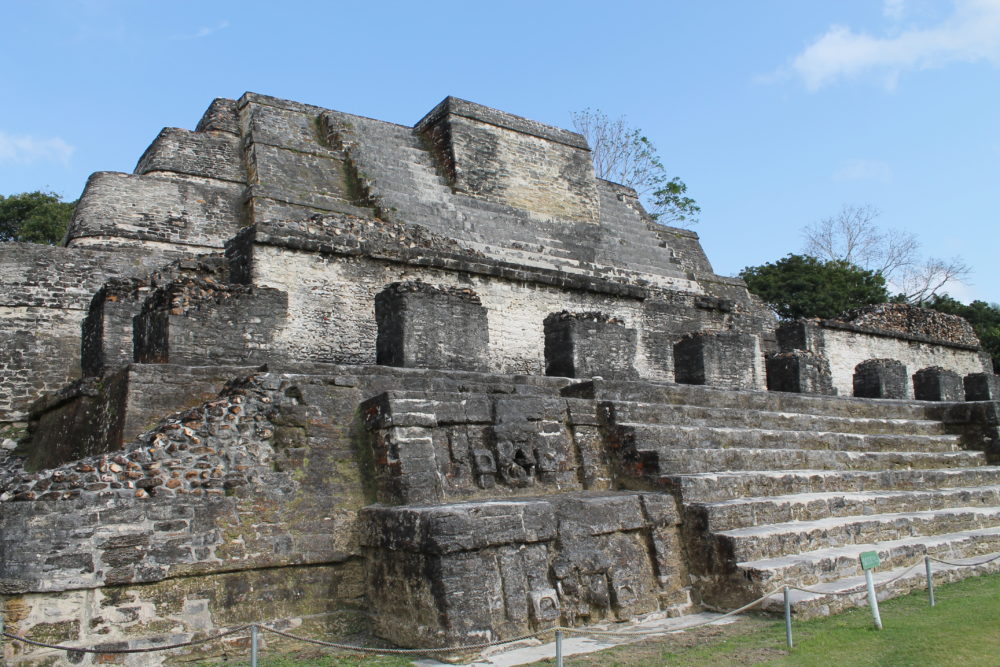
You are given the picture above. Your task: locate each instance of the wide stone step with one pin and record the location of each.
(720, 486)
(703, 436)
(682, 460)
(826, 566)
(774, 540)
(830, 598)
(700, 395)
(691, 415)
(746, 512)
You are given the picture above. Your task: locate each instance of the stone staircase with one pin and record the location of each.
(782, 489)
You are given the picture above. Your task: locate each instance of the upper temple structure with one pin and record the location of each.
(440, 385)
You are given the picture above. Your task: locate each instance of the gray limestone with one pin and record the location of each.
(439, 384)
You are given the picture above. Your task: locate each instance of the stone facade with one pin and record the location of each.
(436, 384)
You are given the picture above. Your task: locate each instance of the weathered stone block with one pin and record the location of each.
(589, 344)
(880, 378)
(937, 384)
(196, 322)
(719, 359)
(800, 372)
(421, 326)
(513, 160)
(982, 387)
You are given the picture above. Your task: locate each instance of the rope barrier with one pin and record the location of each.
(110, 651)
(405, 651)
(479, 645)
(859, 587)
(946, 562)
(399, 651)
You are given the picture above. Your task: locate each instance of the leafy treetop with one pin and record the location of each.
(803, 286)
(34, 217)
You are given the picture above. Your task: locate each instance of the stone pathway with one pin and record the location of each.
(527, 652)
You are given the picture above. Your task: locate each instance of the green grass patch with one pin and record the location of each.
(962, 629)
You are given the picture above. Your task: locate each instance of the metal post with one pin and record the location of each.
(253, 645)
(559, 662)
(788, 619)
(872, 600)
(930, 579)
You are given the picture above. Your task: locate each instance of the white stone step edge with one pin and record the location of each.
(829, 523)
(909, 577)
(857, 496)
(884, 549)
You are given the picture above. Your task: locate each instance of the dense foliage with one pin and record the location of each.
(984, 318)
(803, 286)
(34, 217)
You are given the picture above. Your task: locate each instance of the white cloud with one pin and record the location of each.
(205, 31)
(970, 34)
(24, 149)
(894, 9)
(864, 170)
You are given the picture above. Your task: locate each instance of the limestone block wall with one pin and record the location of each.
(331, 305)
(263, 477)
(847, 346)
(214, 155)
(430, 447)
(512, 160)
(570, 559)
(44, 295)
(115, 209)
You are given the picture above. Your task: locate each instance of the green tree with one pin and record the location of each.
(984, 318)
(34, 217)
(803, 286)
(624, 155)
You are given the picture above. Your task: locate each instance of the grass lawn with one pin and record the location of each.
(963, 629)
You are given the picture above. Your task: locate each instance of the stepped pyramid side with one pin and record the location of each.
(439, 384)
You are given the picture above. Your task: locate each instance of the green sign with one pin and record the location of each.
(869, 559)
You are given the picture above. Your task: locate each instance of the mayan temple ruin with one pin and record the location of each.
(436, 385)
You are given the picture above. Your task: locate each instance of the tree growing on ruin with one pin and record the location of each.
(854, 236)
(803, 286)
(623, 154)
(34, 217)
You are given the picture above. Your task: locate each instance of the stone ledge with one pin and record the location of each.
(885, 333)
(459, 107)
(454, 258)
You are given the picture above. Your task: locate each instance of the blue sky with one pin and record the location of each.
(776, 113)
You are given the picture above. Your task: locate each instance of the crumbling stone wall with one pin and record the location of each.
(44, 295)
(846, 345)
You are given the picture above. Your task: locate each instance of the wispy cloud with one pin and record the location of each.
(970, 34)
(894, 9)
(204, 31)
(864, 170)
(25, 149)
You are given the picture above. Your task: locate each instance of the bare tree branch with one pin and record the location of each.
(623, 155)
(854, 236)
(922, 282)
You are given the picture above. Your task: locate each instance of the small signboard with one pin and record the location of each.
(869, 560)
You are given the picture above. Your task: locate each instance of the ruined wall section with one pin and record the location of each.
(504, 158)
(262, 477)
(293, 171)
(408, 181)
(187, 190)
(846, 345)
(333, 267)
(44, 295)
